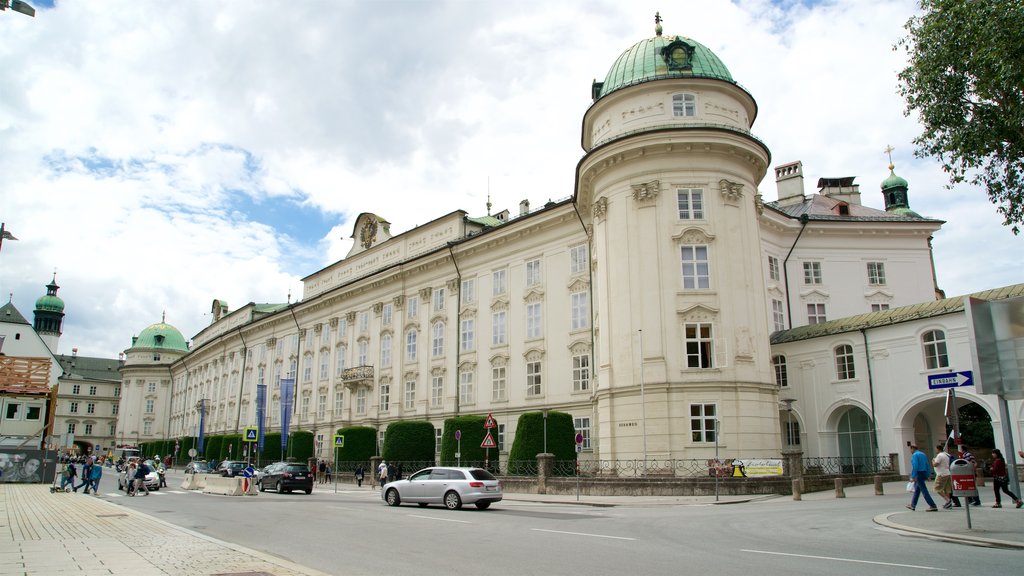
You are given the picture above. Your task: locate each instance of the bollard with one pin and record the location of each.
(797, 486)
(840, 493)
(879, 490)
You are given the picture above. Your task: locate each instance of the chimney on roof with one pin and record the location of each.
(842, 189)
(789, 181)
(524, 207)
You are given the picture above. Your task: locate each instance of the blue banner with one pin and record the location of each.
(261, 411)
(287, 398)
(202, 423)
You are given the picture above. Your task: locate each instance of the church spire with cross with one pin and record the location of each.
(894, 190)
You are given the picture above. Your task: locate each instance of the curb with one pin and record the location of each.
(883, 520)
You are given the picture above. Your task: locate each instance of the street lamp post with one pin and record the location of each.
(5, 234)
(18, 6)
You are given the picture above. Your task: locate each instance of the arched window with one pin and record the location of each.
(934, 342)
(844, 362)
(781, 376)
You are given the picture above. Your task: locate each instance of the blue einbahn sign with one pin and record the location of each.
(950, 380)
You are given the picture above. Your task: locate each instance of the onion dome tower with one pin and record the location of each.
(668, 191)
(49, 316)
(894, 191)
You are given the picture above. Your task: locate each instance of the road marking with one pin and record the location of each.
(845, 560)
(441, 519)
(582, 534)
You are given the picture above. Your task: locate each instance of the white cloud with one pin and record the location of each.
(152, 154)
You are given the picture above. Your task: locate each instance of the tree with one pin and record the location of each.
(965, 79)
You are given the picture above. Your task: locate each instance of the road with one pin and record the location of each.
(354, 532)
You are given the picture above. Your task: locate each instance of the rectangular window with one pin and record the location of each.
(117, 391)
(385, 350)
(149, 406)
(307, 369)
(410, 395)
(816, 313)
(467, 336)
(342, 330)
(582, 426)
(792, 433)
(321, 406)
(386, 314)
(812, 272)
(879, 307)
(466, 388)
(499, 384)
(76, 389)
(90, 408)
(152, 387)
(500, 439)
(533, 378)
(690, 203)
(684, 105)
(279, 347)
(437, 339)
(499, 282)
(293, 367)
(844, 363)
(339, 402)
(361, 401)
(309, 340)
(33, 412)
(113, 430)
(362, 351)
(581, 373)
(364, 322)
(410, 345)
(533, 320)
(781, 373)
(92, 390)
(436, 391)
(147, 428)
(385, 396)
(702, 422)
(114, 408)
(325, 363)
(467, 293)
(579, 310)
(699, 345)
(533, 272)
(498, 332)
(876, 273)
(773, 268)
(412, 306)
(437, 440)
(578, 259)
(778, 315)
(438, 299)
(696, 274)
(305, 407)
(74, 409)
(71, 428)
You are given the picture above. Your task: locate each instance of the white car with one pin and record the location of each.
(450, 486)
(152, 478)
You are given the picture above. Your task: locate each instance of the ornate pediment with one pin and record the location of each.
(693, 235)
(698, 313)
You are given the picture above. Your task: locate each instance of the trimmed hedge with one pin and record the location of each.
(409, 441)
(473, 433)
(300, 445)
(360, 444)
(561, 439)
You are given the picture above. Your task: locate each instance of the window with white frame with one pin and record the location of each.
(500, 438)
(113, 430)
(437, 340)
(499, 383)
(437, 440)
(844, 362)
(812, 272)
(781, 375)
(533, 378)
(88, 429)
(499, 332)
(778, 315)
(499, 282)
(152, 387)
(699, 344)
(325, 340)
(876, 273)
(578, 259)
(307, 368)
(581, 372)
(466, 395)
(690, 203)
(684, 105)
(467, 334)
(436, 391)
(309, 339)
(364, 322)
(386, 312)
(73, 409)
(113, 409)
(696, 274)
(533, 272)
(361, 401)
(385, 350)
(71, 427)
(410, 344)
(410, 394)
(579, 310)
(340, 362)
(816, 313)
(76, 389)
(467, 293)
(792, 432)
(147, 428)
(438, 299)
(879, 307)
(305, 407)
(582, 426)
(362, 348)
(150, 404)
(702, 422)
(773, 268)
(117, 391)
(412, 307)
(325, 366)
(90, 408)
(935, 356)
(385, 395)
(279, 347)
(321, 406)
(339, 402)
(92, 390)
(533, 320)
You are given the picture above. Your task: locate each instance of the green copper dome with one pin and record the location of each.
(161, 335)
(894, 181)
(662, 57)
(50, 303)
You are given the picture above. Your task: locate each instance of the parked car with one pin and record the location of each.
(198, 467)
(231, 468)
(451, 487)
(261, 472)
(287, 476)
(152, 478)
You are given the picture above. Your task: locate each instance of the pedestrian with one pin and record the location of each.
(919, 472)
(943, 483)
(86, 477)
(67, 475)
(140, 477)
(965, 455)
(129, 478)
(382, 473)
(398, 471)
(1000, 480)
(359, 476)
(322, 470)
(94, 476)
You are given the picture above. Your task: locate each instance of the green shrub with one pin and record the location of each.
(473, 433)
(300, 445)
(231, 447)
(211, 447)
(529, 441)
(271, 448)
(409, 441)
(360, 446)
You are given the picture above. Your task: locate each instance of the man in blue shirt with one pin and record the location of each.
(919, 473)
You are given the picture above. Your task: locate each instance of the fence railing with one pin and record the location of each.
(839, 465)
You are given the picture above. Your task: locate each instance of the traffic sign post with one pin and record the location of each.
(458, 448)
(579, 448)
(339, 442)
(950, 380)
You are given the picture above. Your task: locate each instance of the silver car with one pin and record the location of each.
(450, 486)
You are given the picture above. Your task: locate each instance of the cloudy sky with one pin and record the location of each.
(158, 155)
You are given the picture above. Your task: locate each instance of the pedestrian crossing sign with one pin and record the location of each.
(339, 440)
(488, 441)
(251, 434)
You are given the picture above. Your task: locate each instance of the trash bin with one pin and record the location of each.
(961, 473)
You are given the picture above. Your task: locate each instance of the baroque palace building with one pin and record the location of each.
(643, 304)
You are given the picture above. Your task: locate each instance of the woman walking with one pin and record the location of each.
(1000, 481)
